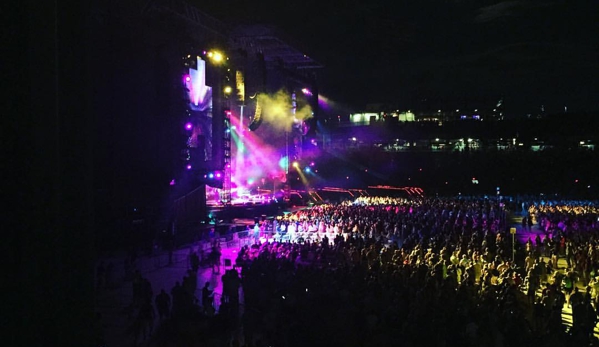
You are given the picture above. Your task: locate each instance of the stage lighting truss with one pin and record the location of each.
(216, 57)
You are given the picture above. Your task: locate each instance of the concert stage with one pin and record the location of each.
(245, 212)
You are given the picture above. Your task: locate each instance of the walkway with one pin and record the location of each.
(113, 302)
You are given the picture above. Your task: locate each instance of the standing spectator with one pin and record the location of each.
(568, 285)
(146, 290)
(208, 299)
(145, 321)
(594, 285)
(215, 257)
(194, 261)
(163, 304)
(569, 253)
(178, 299)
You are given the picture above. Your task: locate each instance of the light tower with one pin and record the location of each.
(226, 196)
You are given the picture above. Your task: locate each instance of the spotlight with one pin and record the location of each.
(228, 90)
(306, 91)
(188, 166)
(211, 175)
(218, 174)
(295, 164)
(215, 56)
(187, 78)
(283, 162)
(188, 126)
(307, 169)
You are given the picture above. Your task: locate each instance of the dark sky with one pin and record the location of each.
(442, 53)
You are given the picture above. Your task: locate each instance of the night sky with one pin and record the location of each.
(431, 54)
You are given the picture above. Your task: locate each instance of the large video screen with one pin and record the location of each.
(200, 105)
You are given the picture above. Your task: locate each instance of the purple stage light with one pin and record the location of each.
(172, 183)
(306, 91)
(218, 175)
(188, 166)
(186, 78)
(188, 126)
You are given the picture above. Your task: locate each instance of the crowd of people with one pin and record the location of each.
(409, 271)
(191, 314)
(425, 272)
(570, 230)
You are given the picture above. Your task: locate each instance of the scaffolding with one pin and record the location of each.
(226, 194)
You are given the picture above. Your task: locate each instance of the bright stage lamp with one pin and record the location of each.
(228, 90)
(283, 162)
(295, 164)
(215, 56)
